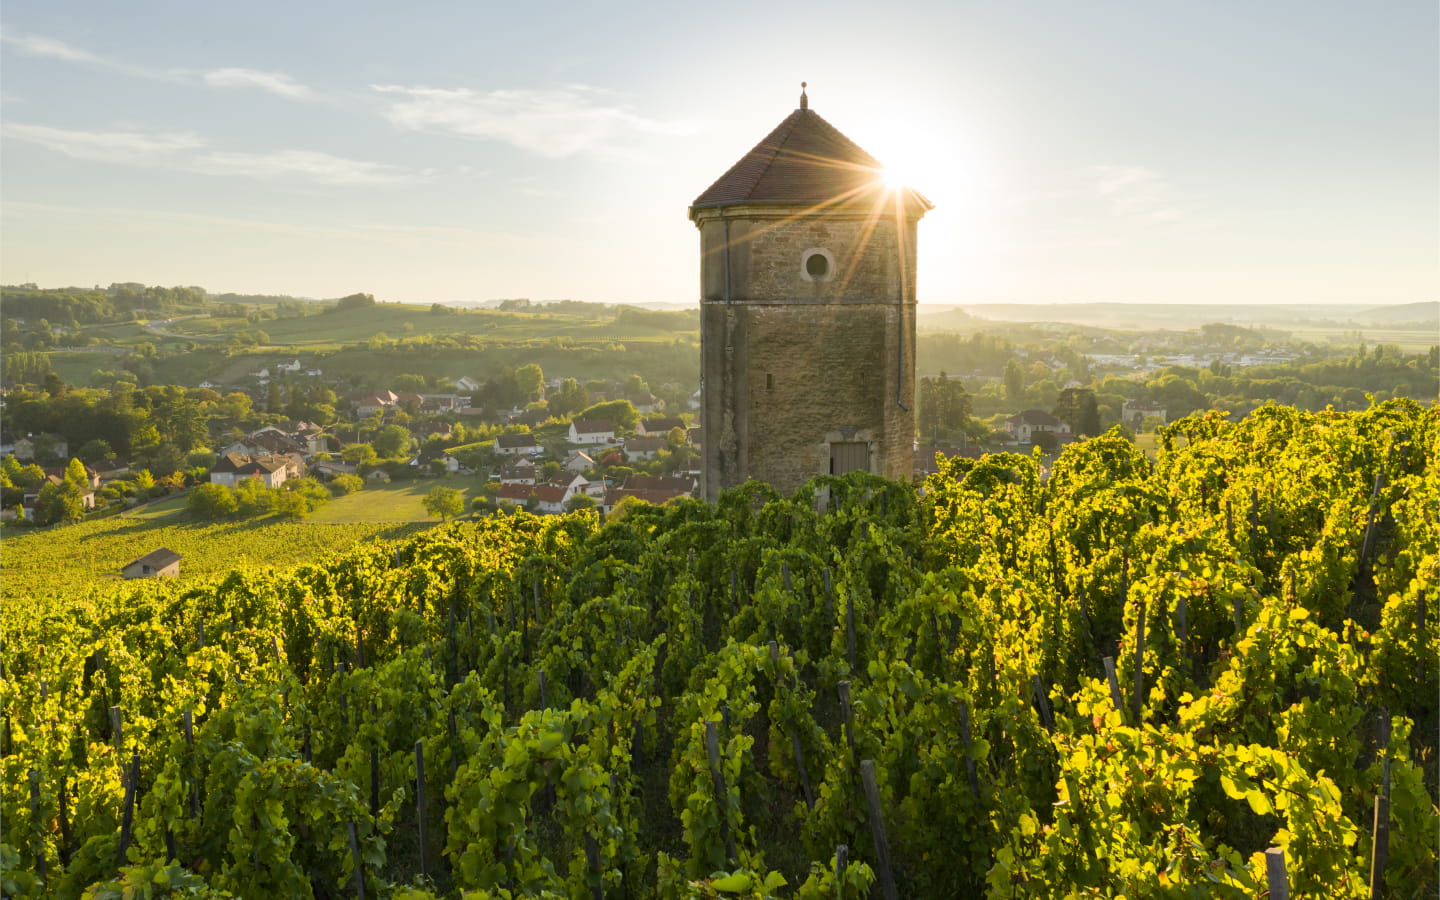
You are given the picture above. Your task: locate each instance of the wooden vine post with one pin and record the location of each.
(877, 830)
(420, 812)
(712, 748)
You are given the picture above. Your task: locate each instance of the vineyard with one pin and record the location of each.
(45, 564)
(1116, 677)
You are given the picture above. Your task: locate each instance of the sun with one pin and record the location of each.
(895, 178)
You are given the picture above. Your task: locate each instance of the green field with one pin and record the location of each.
(330, 330)
(402, 501)
(68, 559)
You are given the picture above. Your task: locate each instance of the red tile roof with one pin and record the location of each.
(549, 493)
(804, 161)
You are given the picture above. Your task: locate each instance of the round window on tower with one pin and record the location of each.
(816, 264)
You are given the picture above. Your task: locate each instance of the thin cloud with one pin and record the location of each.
(180, 151)
(49, 48)
(1134, 192)
(321, 167)
(275, 82)
(554, 123)
(129, 147)
(35, 45)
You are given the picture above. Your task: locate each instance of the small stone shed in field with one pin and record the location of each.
(158, 563)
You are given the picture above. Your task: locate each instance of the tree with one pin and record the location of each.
(944, 406)
(290, 504)
(636, 385)
(580, 501)
(254, 498)
(392, 441)
(94, 451)
(77, 474)
(359, 454)
(341, 485)
(58, 503)
(621, 413)
(530, 381)
(445, 502)
(569, 398)
(1014, 380)
(1077, 408)
(211, 502)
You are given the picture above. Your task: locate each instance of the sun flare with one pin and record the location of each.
(894, 178)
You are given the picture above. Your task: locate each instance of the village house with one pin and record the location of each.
(330, 468)
(641, 448)
(31, 445)
(653, 489)
(1024, 425)
(158, 563)
(373, 402)
(424, 458)
(514, 494)
(438, 403)
(111, 469)
(466, 384)
(518, 471)
(660, 426)
(1134, 413)
(57, 473)
(271, 470)
(551, 498)
(592, 431)
(30, 498)
(517, 445)
(578, 461)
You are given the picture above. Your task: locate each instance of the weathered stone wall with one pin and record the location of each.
(767, 246)
(792, 363)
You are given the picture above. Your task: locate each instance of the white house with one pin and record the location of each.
(517, 444)
(578, 461)
(552, 498)
(1134, 413)
(1024, 425)
(592, 431)
(467, 384)
(236, 467)
(519, 471)
(643, 447)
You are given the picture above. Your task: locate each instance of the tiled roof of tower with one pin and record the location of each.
(804, 161)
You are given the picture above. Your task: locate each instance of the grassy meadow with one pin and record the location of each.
(401, 501)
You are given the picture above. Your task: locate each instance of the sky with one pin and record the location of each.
(1225, 152)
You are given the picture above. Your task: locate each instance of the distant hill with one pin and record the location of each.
(1424, 311)
(1149, 316)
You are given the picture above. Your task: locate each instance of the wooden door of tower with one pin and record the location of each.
(848, 456)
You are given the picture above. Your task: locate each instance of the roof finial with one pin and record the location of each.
(804, 100)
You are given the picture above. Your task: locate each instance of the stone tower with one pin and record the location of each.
(807, 312)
